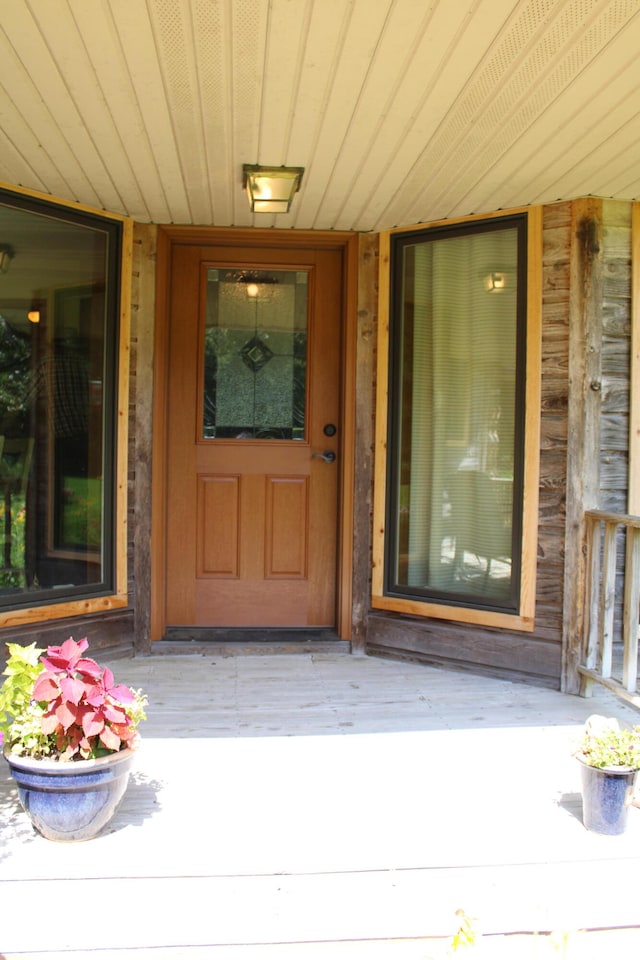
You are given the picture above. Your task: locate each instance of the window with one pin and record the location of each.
(61, 474)
(457, 501)
(255, 355)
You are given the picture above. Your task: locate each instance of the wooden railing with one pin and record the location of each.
(612, 605)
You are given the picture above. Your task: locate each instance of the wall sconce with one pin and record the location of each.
(495, 282)
(33, 316)
(271, 189)
(7, 253)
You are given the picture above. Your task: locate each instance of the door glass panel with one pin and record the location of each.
(255, 354)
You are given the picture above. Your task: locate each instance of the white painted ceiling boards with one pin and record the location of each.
(400, 110)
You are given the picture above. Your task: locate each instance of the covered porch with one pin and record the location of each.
(318, 804)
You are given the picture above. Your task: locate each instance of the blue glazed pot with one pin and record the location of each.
(606, 797)
(71, 800)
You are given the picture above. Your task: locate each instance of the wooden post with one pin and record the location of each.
(583, 446)
(142, 334)
(633, 501)
(365, 392)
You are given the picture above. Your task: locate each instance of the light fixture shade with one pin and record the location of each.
(271, 189)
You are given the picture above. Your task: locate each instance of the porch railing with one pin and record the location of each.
(612, 604)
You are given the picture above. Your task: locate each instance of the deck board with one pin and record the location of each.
(327, 801)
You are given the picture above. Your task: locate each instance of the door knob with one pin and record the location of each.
(328, 456)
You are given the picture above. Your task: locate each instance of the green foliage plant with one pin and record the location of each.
(20, 714)
(62, 705)
(605, 744)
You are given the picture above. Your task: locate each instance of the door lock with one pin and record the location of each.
(328, 456)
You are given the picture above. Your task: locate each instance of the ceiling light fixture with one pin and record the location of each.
(271, 189)
(7, 253)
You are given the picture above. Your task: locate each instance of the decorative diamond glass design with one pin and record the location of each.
(255, 355)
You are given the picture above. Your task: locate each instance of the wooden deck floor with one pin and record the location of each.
(323, 805)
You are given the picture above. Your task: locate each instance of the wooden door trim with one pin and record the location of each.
(172, 236)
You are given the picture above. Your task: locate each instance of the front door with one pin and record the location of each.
(253, 437)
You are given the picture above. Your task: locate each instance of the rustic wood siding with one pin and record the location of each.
(615, 376)
(365, 393)
(586, 310)
(553, 421)
(570, 393)
(116, 633)
(616, 353)
(141, 426)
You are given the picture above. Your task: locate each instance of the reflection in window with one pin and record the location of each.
(456, 428)
(58, 332)
(255, 351)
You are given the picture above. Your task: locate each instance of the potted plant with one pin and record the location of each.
(69, 733)
(610, 759)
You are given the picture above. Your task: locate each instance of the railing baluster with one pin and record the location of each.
(608, 601)
(602, 578)
(631, 610)
(593, 559)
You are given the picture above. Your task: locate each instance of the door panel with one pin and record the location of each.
(251, 513)
(217, 526)
(286, 527)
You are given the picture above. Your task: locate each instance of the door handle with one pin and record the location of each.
(328, 456)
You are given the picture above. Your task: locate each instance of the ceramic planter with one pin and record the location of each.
(606, 797)
(71, 800)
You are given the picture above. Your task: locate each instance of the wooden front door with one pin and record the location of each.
(253, 437)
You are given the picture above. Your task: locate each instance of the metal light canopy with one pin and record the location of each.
(271, 189)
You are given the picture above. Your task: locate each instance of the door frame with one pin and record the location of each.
(347, 243)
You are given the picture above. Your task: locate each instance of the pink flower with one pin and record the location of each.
(85, 709)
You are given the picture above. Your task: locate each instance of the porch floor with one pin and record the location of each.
(325, 805)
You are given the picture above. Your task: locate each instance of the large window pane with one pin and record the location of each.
(456, 424)
(58, 349)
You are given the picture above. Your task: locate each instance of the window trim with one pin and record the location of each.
(44, 612)
(525, 619)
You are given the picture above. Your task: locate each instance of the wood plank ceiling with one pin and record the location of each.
(401, 111)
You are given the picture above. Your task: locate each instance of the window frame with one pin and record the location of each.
(91, 602)
(524, 619)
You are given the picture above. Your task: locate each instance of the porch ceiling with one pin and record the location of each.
(400, 110)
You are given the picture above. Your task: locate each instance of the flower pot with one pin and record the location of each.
(74, 799)
(606, 796)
